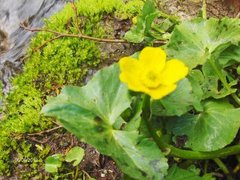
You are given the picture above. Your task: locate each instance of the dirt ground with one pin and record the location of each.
(187, 9)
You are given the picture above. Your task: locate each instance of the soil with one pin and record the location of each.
(102, 167)
(93, 164)
(187, 9)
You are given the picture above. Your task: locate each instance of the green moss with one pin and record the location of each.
(130, 9)
(62, 62)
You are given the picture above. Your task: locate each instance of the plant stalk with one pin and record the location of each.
(221, 165)
(204, 9)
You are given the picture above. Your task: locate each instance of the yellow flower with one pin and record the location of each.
(151, 73)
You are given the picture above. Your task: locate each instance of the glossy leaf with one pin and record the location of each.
(76, 155)
(208, 84)
(90, 113)
(197, 81)
(141, 31)
(177, 173)
(210, 130)
(197, 40)
(177, 103)
(229, 56)
(212, 80)
(134, 35)
(135, 120)
(53, 162)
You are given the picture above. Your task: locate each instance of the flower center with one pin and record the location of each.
(152, 76)
(150, 79)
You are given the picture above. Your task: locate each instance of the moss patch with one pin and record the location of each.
(62, 62)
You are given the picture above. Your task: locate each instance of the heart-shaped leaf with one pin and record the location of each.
(209, 130)
(75, 154)
(90, 113)
(177, 173)
(53, 162)
(229, 56)
(212, 79)
(177, 103)
(197, 40)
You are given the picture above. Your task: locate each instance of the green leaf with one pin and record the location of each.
(208, 84)
(90, 113)
(104, 96)
(53, 162)
(135, 120)
(238, 70)
(161, 31)
(177, 103)
(229, 56)
(197, 81)
(141, 31)
(134, 35)
(148, 8)
(212, 79)
(177, 173)
(210, 130)
(197, 40)
(75, 154)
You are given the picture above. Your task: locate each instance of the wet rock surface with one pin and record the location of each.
(14, 40)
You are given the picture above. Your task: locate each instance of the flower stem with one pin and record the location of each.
(205, 167)
(188, 154)
(176, 152)
(146, 111)
(221, 165)
(204, 9)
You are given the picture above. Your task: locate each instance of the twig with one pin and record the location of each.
(46, 42)
(41, 46)
(54, 122)
(73, 35)
(86, 174)
(36, 140)
(217, 174)
(79, 35)
(46, 131)
(74, 7)
(238, 15)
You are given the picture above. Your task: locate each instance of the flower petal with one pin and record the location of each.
(174, 70)
(153, 58)
(130, 73)
(161, 91)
